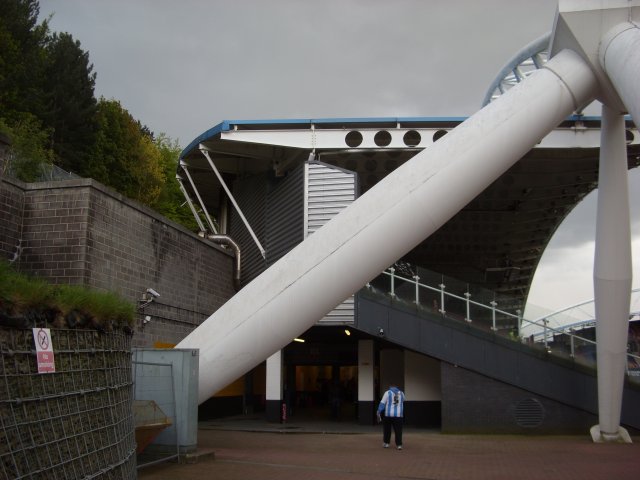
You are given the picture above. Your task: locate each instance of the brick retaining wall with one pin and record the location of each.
(80, 232)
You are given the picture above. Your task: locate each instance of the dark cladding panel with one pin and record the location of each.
(273, 206)
(250, 194)
(285, 215)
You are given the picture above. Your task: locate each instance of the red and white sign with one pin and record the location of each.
(44, 350)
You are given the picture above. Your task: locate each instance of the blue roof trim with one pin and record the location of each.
(212, 132)
(309, 121)
(227, 125)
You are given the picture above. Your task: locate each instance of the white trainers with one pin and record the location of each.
(385, 445)
(399, 447)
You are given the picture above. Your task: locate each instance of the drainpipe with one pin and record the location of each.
(228, 241)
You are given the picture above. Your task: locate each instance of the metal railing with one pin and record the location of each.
(404, 284)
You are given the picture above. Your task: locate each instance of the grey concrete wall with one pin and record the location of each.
(80, 232)
(473, 403)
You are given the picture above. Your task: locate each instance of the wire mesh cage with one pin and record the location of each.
(76, 422)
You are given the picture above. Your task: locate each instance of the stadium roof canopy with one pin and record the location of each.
(496, 241)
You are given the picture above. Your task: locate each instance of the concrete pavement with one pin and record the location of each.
(249, 448)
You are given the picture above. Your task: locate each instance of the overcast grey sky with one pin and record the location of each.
(181, 67)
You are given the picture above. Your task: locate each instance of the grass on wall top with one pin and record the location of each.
(31, 302)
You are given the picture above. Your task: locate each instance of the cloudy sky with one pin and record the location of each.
(181, 67)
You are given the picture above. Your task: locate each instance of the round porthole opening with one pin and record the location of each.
(412, 138)
(353, 139)
(382, 138)
(439, 134)
(629, 136)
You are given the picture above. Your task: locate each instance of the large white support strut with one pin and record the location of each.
(612, 277)
(385, 223)
(619, 58)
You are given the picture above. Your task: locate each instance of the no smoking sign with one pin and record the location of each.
(44, 350)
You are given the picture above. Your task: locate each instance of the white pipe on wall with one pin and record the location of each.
(411, 203)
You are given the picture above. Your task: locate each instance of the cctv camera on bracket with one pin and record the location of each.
(153, 292)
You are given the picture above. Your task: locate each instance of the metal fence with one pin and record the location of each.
(75, 422)
(457, 301)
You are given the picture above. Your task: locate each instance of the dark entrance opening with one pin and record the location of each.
(321, 375)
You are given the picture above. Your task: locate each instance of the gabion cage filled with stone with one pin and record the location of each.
(74, 423)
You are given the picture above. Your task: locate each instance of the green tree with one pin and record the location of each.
(29, 147)
(171, 202)
(71, 106)
(124, 158)
(22, 59)
(48, 109)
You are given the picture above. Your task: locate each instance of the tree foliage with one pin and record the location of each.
(171, 202)
(22, 42)
(29, 149)
(124, 157)
(70, 104)
(49, 110)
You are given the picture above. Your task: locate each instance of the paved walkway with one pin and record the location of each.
(249, 448)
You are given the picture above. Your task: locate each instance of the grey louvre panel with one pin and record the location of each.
(330, 190)
(273, 207)
(285, 215)
(251, 195)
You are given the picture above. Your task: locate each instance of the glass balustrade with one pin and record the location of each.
(563, 334)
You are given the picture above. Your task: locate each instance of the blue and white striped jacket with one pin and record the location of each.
(392, 403)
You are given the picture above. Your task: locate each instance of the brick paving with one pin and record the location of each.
(252, 453)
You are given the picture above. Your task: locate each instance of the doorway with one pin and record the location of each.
(323, 392)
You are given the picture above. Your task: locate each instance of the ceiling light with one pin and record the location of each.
(300, 340)
(347, 332)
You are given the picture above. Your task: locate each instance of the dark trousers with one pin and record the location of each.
(396, 423)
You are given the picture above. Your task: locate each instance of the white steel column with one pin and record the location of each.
(355, 246)
(367, 403)
(612, 277)
(273, 394)
(366, 364)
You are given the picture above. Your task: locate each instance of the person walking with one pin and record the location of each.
(391, 413)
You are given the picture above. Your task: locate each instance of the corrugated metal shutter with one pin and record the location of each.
(330, 190)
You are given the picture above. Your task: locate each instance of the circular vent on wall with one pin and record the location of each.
(529, 413)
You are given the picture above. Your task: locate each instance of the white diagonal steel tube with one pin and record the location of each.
(205, 152)
(202, 205)
(413, 202)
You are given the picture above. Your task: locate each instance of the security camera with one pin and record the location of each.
(153, 292)
(381, 331)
